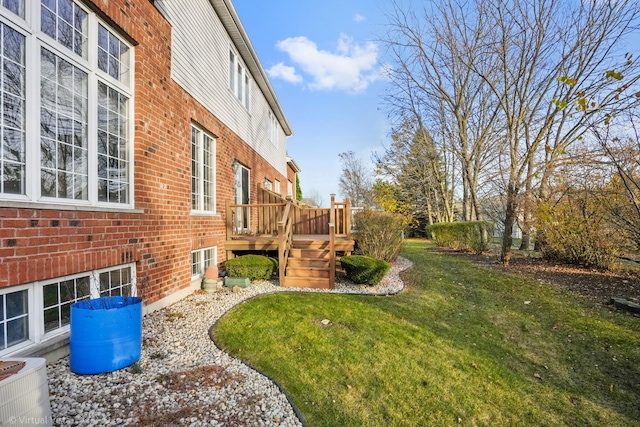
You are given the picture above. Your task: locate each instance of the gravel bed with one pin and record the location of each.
(182, 378)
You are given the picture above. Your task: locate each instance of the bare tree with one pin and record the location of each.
(433, 85)
(313, 198)
(356, 181)
(622, 148)
(545, 50)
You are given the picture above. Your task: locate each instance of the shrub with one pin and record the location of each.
(575, 230)
(467, 235)
(364, 269)
(379, 234)
(255, 267)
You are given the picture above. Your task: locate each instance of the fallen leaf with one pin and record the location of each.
(537, 375)
(349, 387)
(474, 365)
(527, 302)
(556, 326)
(611, 388)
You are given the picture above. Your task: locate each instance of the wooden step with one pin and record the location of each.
(308, 272)
(310, 244)
(308, 262)
(309, 253)
(340, 245)
(306, 282)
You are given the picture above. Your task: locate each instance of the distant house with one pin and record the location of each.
(127, 126)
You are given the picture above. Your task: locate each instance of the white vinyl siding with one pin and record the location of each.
(202, 54)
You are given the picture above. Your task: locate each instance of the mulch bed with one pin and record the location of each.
(596, 285)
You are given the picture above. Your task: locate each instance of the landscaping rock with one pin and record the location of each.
(624, 304)
(183, 378)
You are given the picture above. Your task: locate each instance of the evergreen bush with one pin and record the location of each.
(467, 235)
(363, 269)
(255, 267)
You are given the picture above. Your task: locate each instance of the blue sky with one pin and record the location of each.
(324, 61)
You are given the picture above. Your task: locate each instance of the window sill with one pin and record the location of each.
(60, 207)
(204, 213)
(51, 349)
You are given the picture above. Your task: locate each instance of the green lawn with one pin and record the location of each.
(461, 346)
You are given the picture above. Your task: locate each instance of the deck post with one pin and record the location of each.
(281, 257)
(332, 243)
(229, 219)
(347, 218)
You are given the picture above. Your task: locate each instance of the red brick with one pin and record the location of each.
(166, 230)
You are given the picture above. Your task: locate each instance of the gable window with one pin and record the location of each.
(82, 133)
(239, 82)
(203, 185)
(37, 311)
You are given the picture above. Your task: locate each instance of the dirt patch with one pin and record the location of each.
(203, 376)
(598, 286)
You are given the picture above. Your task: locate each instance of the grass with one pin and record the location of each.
(461, 346)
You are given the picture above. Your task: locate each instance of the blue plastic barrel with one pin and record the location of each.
(106, 334)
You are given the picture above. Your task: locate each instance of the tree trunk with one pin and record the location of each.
(509, 220)
(526, 241)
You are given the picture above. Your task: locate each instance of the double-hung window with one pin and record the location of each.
(76, 81)
(239, 81)
(203, 171)
(273, 129)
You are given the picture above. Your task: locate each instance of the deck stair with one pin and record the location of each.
(308, 266)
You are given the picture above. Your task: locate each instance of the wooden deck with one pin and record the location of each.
(308, 240)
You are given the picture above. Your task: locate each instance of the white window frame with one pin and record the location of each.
(239, 80)
(200, 253)
(199, 193)
(30, 322)
(273, 129)
(276, 186)
(289, 188)
(35, 296)
(35, 41)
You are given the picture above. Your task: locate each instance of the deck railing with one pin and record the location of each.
(285, 241)
(253, 220)
(262, 218)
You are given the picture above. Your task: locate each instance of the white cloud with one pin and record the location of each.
(358, 18)
(284, 72)
(352, 67)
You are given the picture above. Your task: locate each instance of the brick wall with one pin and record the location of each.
(38, 243)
